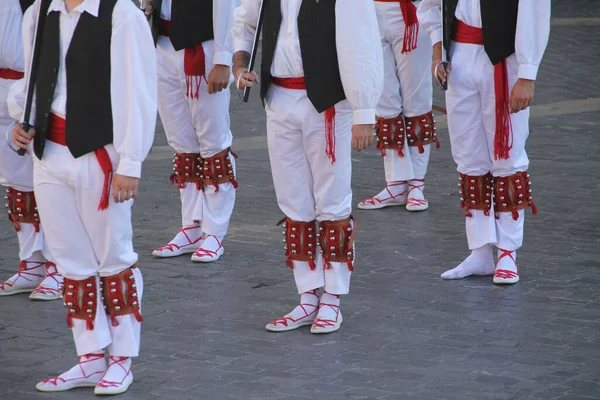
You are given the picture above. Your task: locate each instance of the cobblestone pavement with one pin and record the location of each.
(408, 334)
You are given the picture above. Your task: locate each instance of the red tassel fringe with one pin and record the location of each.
(69, 321)
(89, 324)
(113, 320)
(289, 263)
(503, 139)
(311, 264)
(138, 316)
(106, 166)
(411, 26)
(330, 133)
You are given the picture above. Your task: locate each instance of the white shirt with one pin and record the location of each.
(533, 28)
(11, 47)
(359, 51)
(133, 83)
(222, 25)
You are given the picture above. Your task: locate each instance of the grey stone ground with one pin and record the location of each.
(408, 334)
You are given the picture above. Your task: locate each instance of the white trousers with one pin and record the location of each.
(470, 100)
(407, 89)
(307, 185)
(17, 172)
(195, 126)
(83, 241)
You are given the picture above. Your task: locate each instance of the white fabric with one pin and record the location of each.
(133, 77)
(533, 28)
(196, 126)
(82, 240)
(358, 51)
(222, 24)
(407, 89)
(11, 50)
(31, 241)
(307, 185)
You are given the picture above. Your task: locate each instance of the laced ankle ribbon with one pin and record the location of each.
(506, 273)
(411, 201)
(284, 320)
(52, 273)
(88, 358)
(326, 323)
(24, 273)
(172, 246)
(202, 252)
(374, 199)
(118, 362)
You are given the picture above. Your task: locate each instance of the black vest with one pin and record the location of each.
(25, 4)
(191, 22)
(499, 23)
(89, 109)
(316, 31)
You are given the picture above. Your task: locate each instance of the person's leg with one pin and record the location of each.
(333, 200)
(176, 117)
(470, 152)
(68, 240)
(293, 182)
(512, 185)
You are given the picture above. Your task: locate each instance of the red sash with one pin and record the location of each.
(194, 63)
(11, 74)
(411, 23)
(300, 84)
(57, 128)
(503, 138)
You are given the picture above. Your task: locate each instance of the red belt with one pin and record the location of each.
(300, 84)
(411, 23)
(164, 27)
(57, 128)
(503, 138)
(11, 74)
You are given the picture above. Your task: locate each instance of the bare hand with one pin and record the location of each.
(218, 79)
(437, 69)
(245, 79)
(362, 136)
(124, 188)
(21, 138)
(521, 95)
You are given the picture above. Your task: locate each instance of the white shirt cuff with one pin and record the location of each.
(436, 36)
(222, 58)
(242, 45)
(129, 168)
(528, 71)
(363, 117)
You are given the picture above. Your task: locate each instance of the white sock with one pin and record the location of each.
(505, 262)
(309, 302)
(329, 307)
(479, 262)
(91, 367)
(118, 369)
(187, 236)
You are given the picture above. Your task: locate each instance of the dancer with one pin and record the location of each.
(194, 54)
(36, 273)
(495, 49)
(405, 123)
(95, 117)
(321, 77)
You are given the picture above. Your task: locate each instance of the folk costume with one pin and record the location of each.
(321, 73)
(405, 123)
(36, 273)
(490, 45)
(194, 36)
(95, 117)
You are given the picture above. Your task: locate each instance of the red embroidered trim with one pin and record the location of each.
(22, 208)
(80, 297)
(390, 134)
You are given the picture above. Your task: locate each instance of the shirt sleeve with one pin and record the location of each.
(360, 57)
(223, 22)
(429, 14)
(533, 30)
(17, 92)
(133, 92)
(245, 18)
